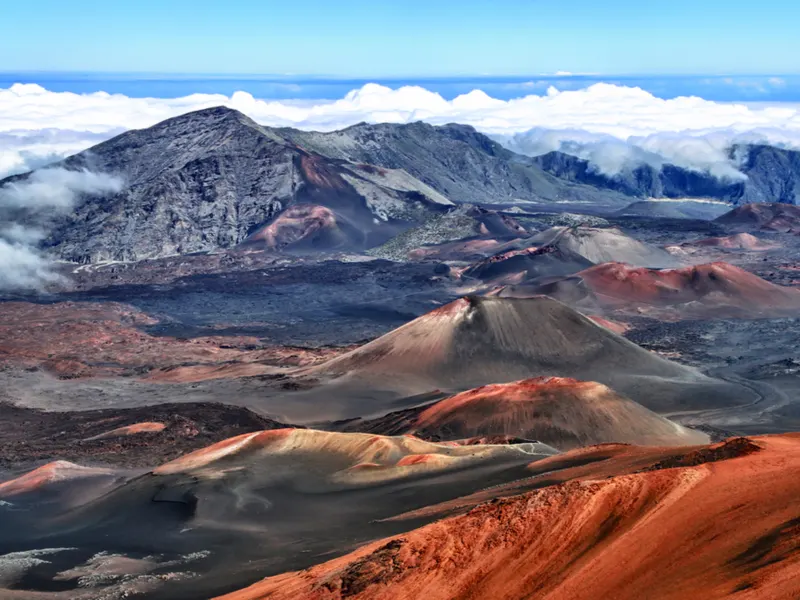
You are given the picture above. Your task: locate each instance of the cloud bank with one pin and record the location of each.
(611, 125)
(26, 208)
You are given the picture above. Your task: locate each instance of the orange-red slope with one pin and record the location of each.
(561, 412)
(717, 283)
(712, 530)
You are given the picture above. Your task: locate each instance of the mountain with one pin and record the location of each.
(456, 160)
(560, 412)
(736, 241)
(213, 179)
(772, 175)
(475, 341)
(675, 209)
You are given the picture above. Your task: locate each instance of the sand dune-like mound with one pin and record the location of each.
(47, 477)
(716, 283)
(145, 427)
(476, 341)
(605, 245)
(737, 241)
(767, 217)
(329, 460)
(727, 529)
(564, 413)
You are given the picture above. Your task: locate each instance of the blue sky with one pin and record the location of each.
(361, 38)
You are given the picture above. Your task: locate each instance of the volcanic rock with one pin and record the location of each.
(456, 160)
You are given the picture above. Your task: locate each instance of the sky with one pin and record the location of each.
(391, 38)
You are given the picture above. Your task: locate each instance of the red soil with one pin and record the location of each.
(317, 172)
(234, 445)
(729, 528)
(86, 339)
(618, 328)
(416, 459)
(293, 225)
(716, 283)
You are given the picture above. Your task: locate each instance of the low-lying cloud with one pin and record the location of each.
(26, 208)
(612, 125)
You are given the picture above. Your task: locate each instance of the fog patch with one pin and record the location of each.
(27, 206)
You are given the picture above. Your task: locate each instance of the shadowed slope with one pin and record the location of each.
(715, 530)
(475, 341)
(274, 500)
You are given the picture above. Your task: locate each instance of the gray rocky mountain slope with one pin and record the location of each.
(208, 180)
(771, 175)
(455, 160)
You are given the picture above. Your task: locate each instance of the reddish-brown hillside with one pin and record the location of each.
(717, 283)
(719, 522)
(770, 217)
(563, 413)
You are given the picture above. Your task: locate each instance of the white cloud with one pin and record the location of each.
(22, 267)
(25, 209)
(56, 188)
(37, 125)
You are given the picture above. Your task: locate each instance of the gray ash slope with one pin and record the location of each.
(475, 341)
(207, 180)
(562, 251)
(772, 175)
